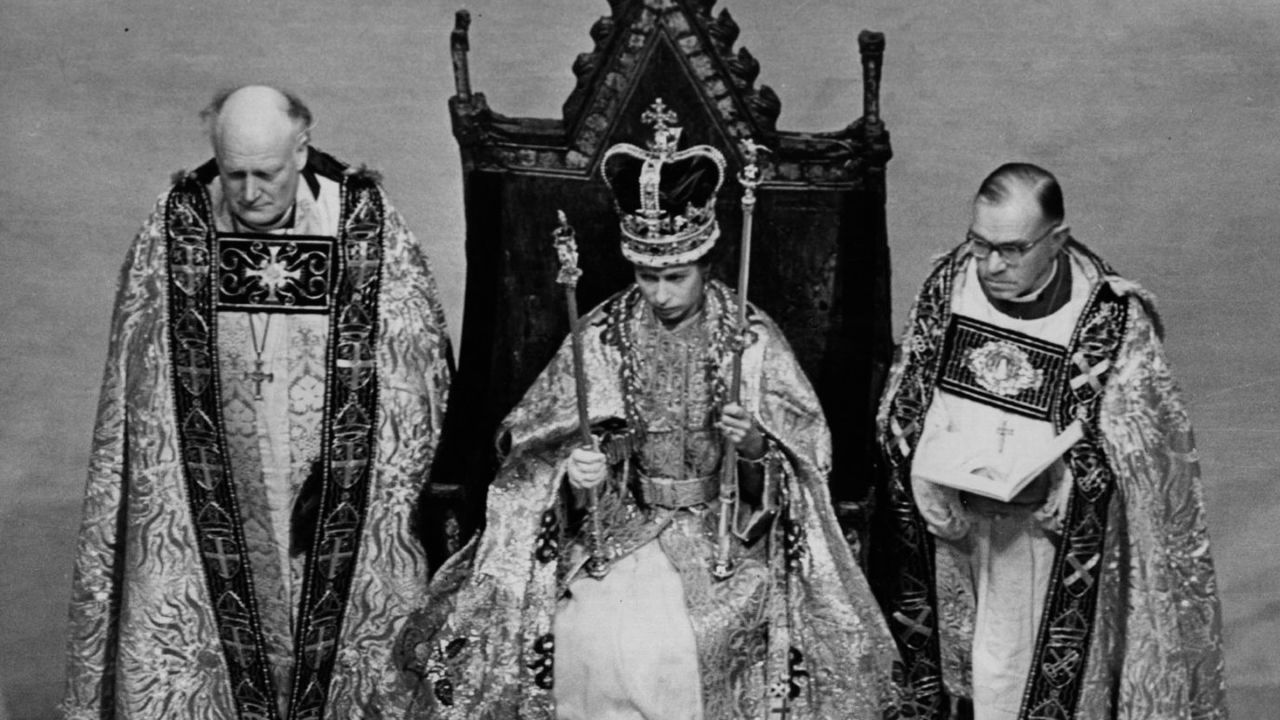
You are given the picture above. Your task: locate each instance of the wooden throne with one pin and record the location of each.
(820, 264)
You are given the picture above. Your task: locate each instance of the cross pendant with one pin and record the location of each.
(1005, 432)
(257, 376)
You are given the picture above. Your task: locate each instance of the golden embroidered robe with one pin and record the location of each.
(187, 599)
(1131, 623)
(794, 625)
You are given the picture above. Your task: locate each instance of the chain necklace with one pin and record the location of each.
(258, 376)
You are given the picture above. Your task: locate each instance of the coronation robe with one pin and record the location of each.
(1095, 599)
(269, 411)
(513, 627)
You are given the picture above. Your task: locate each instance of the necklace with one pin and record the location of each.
(258, 376)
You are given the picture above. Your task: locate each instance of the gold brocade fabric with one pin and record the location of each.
(680, 440)
(797, 618)
(1155, 645)
(253, 436)
(144, 641)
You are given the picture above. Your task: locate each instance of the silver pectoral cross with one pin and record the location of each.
(1005, 432)
(258, 377)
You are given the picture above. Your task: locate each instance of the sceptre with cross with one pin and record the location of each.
(722, 566)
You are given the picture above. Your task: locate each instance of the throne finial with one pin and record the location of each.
(459, 44)
(871, 45)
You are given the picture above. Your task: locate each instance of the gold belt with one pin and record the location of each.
(672, 493)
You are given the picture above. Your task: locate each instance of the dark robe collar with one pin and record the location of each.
(319, 163)
(1050, 299)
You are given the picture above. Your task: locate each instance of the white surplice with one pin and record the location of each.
(1010, 545)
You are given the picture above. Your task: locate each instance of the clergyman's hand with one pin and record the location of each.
(741, 430)
(587, 468)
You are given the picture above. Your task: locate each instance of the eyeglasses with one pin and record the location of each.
(1010, 252)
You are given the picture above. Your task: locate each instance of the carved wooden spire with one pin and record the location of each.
(626, 44)
(871, 45)
(740, 66)
(459, 45)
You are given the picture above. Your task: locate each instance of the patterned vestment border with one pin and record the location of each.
(910, 598)
(1038, 367)
(348, 426)
(275, 273)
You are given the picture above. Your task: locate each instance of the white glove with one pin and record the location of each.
(587, 468)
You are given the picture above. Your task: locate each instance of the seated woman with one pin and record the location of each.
(604, 584)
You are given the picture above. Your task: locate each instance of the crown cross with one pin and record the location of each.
(661, 118)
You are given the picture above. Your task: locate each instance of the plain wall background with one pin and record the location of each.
(1158, 116)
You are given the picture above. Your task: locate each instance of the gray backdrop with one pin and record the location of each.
(1157, 115)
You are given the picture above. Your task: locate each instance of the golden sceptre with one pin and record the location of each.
(567, 249)
(749, 178)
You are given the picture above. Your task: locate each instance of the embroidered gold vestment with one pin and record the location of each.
(793, 628)
(188, 599)
(1131, 623)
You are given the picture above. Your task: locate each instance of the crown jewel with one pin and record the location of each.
(666, 197)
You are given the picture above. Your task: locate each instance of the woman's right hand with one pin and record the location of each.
(587, 468)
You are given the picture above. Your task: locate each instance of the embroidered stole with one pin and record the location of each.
(339, 277)
(907, 591)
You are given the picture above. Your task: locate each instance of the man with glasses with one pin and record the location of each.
(1042, 549)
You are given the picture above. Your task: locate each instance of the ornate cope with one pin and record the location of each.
(986, 363)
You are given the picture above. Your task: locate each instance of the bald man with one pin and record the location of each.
(275, 383)
(1042, 550)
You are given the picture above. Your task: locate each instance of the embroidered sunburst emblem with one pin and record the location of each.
(274, 274)
(1003, 368)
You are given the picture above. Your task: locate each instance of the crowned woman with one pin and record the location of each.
(605, 585)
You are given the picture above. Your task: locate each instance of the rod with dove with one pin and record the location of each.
(566, 245)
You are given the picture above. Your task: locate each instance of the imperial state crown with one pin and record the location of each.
(666, 197)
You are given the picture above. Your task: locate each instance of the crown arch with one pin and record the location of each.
(820, 257)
